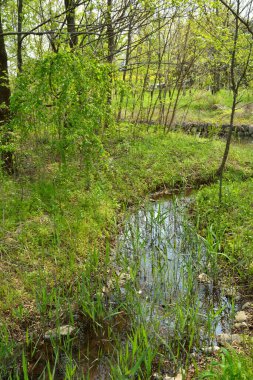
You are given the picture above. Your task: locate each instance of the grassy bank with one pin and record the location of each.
(228, 229)
(55, 228)
(230, 224)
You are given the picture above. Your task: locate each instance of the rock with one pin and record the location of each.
(59, 332)
(105, 290)
(247, 305)
(123, 278)
(241, 325)
(156, 376)
(211, 349)
(178, 377)
(241, 316)
(250, 130)
(223, 339)
(229, 292)
(203, 277)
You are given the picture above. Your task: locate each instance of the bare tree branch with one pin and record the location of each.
(240, 18)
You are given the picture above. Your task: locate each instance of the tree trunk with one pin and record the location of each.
(229, 137)
(5, 93)
(110, 56)
(129, 40)
(19, 37)
(235, 87)
(70, 16)
(226, 152)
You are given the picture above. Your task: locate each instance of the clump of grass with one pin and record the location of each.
(230, 223)
(135, 356)
(231, 366)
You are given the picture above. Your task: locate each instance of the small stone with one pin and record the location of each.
(110, 284)
(123, 278)
(211, 349)
(62, 331)
(105, 290)
(241, 316)
(229, 338)
(230, 292)
(178, 377)
(241, 325)
(247, 305)
(203, 277)
(156, 376)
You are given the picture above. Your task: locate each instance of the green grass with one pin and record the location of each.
(199, 105)
(50, 225)
(231, 224)
(55, 230)
(232, 366)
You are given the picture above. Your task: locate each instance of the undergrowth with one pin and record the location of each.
(231, 223)
(56, 229)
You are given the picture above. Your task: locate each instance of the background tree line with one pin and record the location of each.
(71, 69)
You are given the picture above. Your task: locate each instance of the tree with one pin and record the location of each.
(238, 69)
(246, 21)
(5, 94)
(19, 36)
(71, 26)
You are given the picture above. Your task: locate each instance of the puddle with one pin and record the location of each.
(84, 356)
(169, 256)
(159, 258)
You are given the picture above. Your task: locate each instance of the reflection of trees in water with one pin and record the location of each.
(161, 242)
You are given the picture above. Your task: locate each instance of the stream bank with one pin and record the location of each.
(165, 287)
(58, 280)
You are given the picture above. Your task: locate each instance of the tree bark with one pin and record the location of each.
(110, 56)
(5, 93)
(235, 87)
(19, 36)
(129, 40)
(71, 26)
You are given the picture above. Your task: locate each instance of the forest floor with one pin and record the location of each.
(53, 223)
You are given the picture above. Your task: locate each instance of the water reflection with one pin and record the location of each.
(159, 241)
